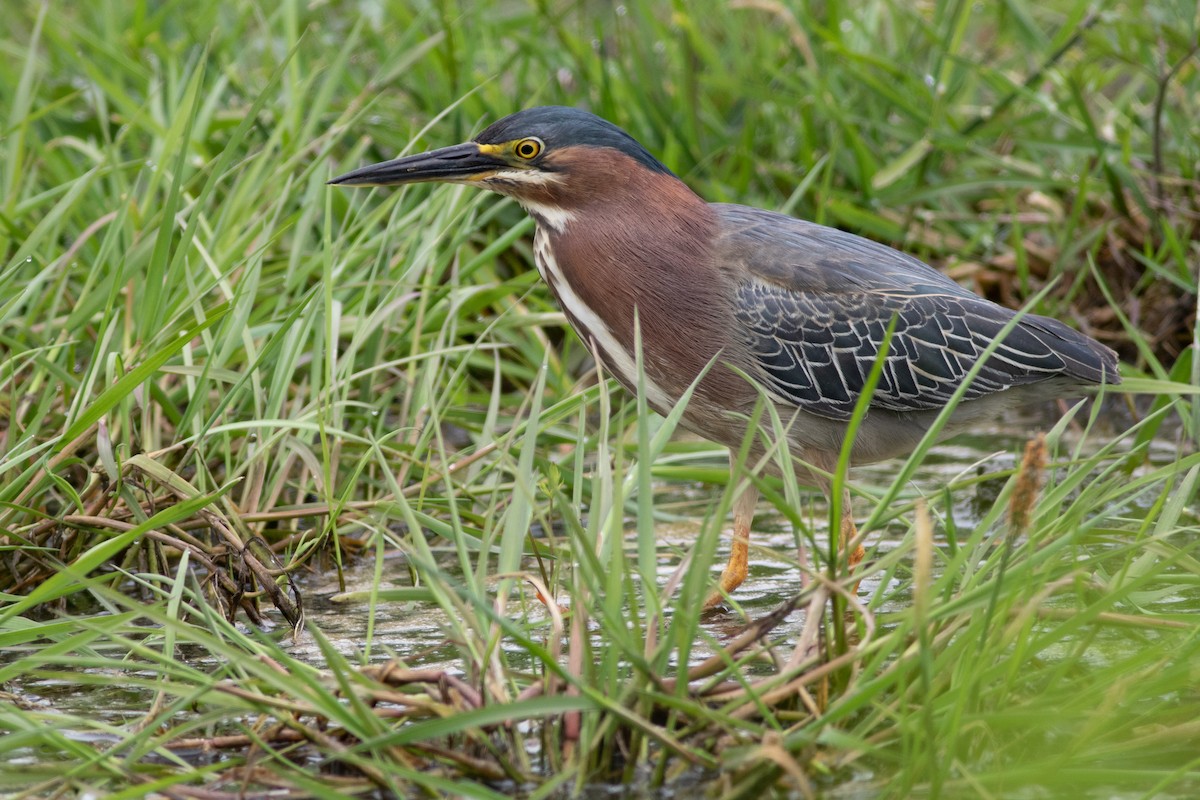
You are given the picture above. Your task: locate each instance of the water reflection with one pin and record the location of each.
(416, 632)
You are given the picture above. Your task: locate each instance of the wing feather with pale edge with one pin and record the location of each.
(814, 303)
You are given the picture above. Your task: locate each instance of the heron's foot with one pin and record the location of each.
(735, 571)
(739, 555)
(849, 533)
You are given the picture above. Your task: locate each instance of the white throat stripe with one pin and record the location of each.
(552, 216)
(617, 358)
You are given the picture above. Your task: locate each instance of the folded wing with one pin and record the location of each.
(814, 305)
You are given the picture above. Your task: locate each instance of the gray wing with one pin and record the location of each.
(814, 304)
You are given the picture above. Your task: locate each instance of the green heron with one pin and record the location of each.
(800, 309)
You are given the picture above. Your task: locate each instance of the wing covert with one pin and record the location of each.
(814, 303)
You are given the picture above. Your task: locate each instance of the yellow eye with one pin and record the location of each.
(528, 148)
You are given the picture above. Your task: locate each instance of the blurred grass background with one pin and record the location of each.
(213, 367)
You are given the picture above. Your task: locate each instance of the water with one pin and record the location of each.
(417, 632)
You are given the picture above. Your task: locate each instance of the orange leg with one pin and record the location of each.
(849, 532)
(739, 555)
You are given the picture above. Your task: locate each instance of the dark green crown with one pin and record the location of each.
(562, 126)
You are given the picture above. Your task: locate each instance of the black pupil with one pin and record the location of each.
(528, 149)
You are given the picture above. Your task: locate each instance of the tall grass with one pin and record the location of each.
(217, 376)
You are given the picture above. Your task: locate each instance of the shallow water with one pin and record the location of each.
(416, 632)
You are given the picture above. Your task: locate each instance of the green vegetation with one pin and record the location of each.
(218, 376)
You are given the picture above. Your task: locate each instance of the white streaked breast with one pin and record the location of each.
(594, 332)
(551, 216)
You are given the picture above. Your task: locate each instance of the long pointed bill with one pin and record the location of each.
(460, 162)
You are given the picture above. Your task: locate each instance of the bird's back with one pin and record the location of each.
(814, 304)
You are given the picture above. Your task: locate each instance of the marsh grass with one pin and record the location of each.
(217, 374)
